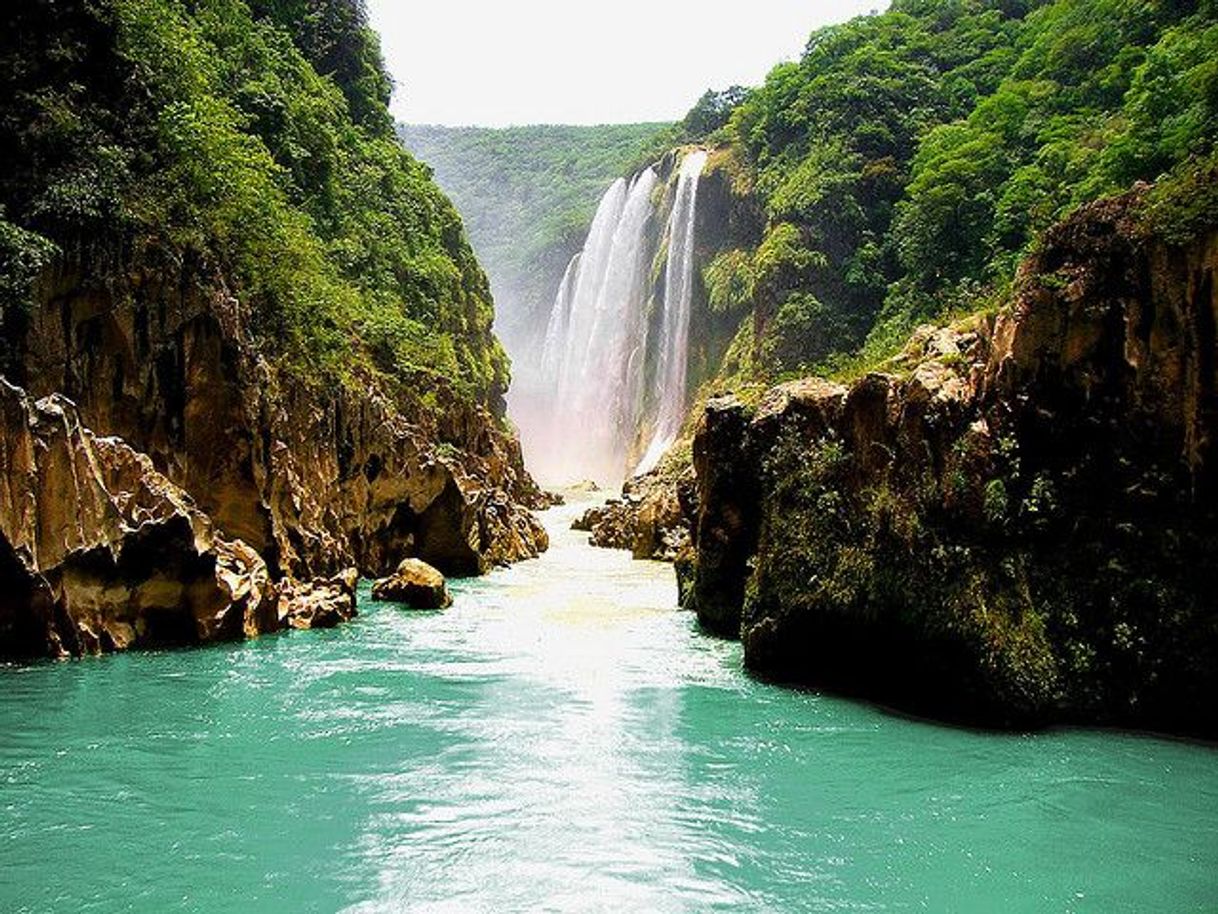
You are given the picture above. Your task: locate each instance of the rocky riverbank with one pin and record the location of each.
(649, 519)
(157, 387)
(100, 552)
(1013, 523)
(247, 347)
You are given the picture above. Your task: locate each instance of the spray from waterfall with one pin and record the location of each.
(614, 359)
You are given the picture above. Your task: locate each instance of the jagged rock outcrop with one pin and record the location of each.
(415, 584)
(321, 603)
(650, 519)
(315, 480)
(1013, 523)
(100, 552)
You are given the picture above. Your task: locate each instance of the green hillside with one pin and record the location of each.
(253, 138)
(910, 159)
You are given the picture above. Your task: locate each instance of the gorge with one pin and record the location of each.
(322, 396)
(560, 738)
(896, 374)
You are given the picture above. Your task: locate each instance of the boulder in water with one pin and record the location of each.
(321, 603)
(415, 584)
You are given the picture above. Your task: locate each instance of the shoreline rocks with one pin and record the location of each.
(651, 519)
(414, 584)
(322, 603)
(1013, 523)
(266, 479)
(100, 552)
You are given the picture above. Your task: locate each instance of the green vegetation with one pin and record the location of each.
(251, 139)
(910, 159)
(528, 195)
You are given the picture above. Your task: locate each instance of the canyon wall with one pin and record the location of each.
(316, 479)
(149, 385)
(1012, 523)
(98, 551)
(217, 261)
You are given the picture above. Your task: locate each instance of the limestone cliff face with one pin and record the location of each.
(1014, 523)
(314, 479)
(100, 552)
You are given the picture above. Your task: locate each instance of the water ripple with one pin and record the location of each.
(561, 739)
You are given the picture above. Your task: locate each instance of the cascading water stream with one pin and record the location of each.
(598, 349)
(678, 298)
(598, 316)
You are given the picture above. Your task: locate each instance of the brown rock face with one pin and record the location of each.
(322, 603)
(315, 479)
(1015, 523)
(649, 519)
(415, 584)
(99, 551)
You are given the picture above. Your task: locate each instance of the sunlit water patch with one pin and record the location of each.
(561, 739)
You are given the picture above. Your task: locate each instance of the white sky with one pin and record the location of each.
(463, 62)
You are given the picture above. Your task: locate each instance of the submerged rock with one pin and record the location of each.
(415, 584)
(100, 552)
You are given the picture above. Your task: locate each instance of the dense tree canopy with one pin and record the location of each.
(910, 158)
(256, 141)
(334, 36)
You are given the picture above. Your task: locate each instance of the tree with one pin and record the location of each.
(711, 112)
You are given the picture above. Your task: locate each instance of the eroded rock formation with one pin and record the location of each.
(650, 519)
(259, 475)
(413, 583)
(1013, 523)
(315, 479)
(320, 603)
(99, 551)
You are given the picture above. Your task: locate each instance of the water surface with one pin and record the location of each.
(561, 739)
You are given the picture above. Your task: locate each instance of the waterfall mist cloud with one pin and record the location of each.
(495, 63)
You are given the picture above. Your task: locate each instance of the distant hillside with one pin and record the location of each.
(526, 195)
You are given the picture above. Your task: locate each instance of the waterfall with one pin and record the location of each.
(674, 327)
(597, 351)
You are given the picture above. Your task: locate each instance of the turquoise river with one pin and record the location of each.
(561, 739)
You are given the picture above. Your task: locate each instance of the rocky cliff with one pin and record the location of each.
(153, 384)
(172, 485)
(98, 551)
(1013, 523)
(217, 261)
(315, 479)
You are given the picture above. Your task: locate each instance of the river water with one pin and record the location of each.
(561, 739)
